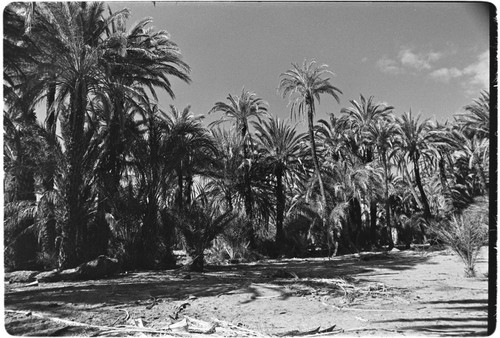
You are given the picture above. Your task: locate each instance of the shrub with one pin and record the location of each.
(198, 228)
(466, 233)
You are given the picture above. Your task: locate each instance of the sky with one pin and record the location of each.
(432, 58)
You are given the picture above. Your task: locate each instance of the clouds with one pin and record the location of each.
(389, 66)
(409, 61)
(445, 74)
(418, 61)
(475, 75)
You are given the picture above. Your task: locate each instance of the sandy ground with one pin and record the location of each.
(400, 293)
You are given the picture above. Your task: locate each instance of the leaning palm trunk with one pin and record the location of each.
(330, 234)
(427, 212)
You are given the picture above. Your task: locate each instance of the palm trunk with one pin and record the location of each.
(189, 183)
(248, 195)
(280, 205)
(373, 203)
(50, 120)
(356, 222)
(180, 183)
(373, 222)
(444, 183)
(482, 178)
(427, 211)
(73, 226)
(49, 219)
(49, 225)
(229, 200)
(198, 262)
(328, 232)
(386, 197)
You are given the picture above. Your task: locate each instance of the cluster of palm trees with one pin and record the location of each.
(109, 172)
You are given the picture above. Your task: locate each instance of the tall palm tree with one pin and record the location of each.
(281, 148)
(239, 111)
(303, 85)
(414, 137)
(69, 36)
(474, 152)
(153, 172)
(87, 55)
(133, 61)
(382, 135)
(358, 120)
(443, 147)
(190, 144)
(223, 183)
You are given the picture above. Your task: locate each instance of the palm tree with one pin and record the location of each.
(134, 60)
(199, 224)
(69, 36)
(382, 136)
(476, 119)
(223, 183)
(152, 171)
(239, 111)
(358, 120)
(86, 55)
(20, 147)
(474, 152)
(281, 148)
(303, 85)
(414, 137)
(443, 147)
(190, 144)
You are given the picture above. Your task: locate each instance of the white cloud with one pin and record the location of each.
(472, 77)
(390, 66)
(409, 61)
(479, 71)
(418, 61)
(445, 74)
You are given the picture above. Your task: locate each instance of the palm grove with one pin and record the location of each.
(109, 172)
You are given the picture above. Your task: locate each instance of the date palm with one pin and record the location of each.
(442, 144)
(382, 136)
(153, 172)
(133, 60)
(190, 144)
(358, 120)
(70, 38)
(475, 121)
(281, 148)
(239, 111)
(304, 85)
(414, 137)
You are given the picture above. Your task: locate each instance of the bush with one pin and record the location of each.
(466, 233)
(198, 228)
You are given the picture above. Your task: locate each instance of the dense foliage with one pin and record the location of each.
(109, 172)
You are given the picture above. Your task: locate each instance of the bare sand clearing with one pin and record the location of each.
(398, 293)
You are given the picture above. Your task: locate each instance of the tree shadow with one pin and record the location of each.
(462, 325)
(142, 288)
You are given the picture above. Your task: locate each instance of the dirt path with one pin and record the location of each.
(400, 293)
